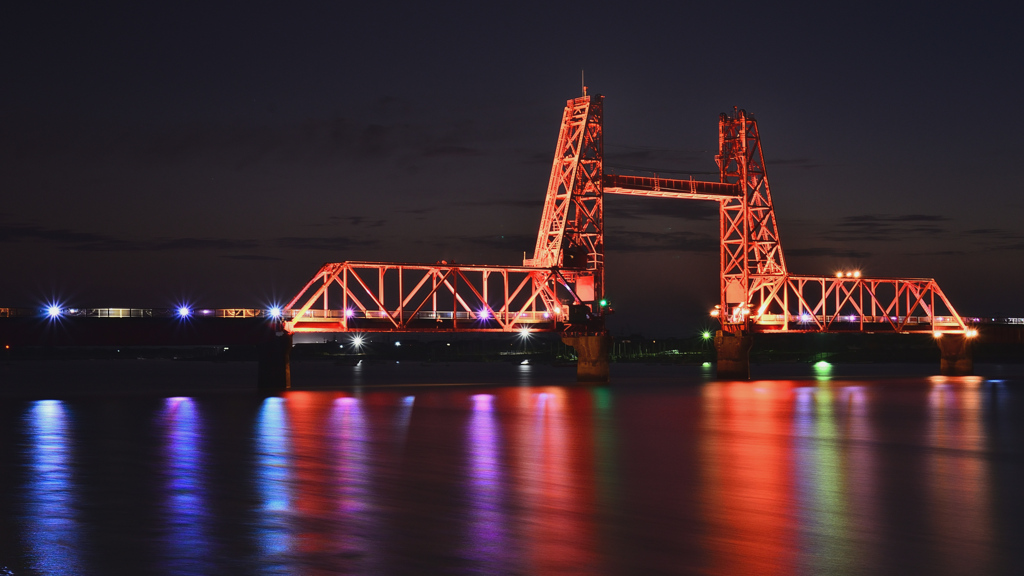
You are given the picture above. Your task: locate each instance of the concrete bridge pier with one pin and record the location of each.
(591, 355)
(733, 355)
(957, 359)
(275, 373)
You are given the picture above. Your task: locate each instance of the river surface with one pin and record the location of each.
(180, 468)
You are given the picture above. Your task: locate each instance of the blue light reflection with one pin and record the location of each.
(53, 529)
(273, 464)
(186, 509)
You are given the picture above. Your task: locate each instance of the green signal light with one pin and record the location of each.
(603, 303)
(705, 335)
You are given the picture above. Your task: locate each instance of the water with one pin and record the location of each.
(812, 470)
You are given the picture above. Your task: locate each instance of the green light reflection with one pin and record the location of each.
(822, 370)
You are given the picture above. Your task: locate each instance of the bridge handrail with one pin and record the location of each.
(314, 315)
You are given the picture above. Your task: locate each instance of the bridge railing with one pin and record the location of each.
(66, 312)
(385, 296)
(522, 317)
(846, 302)
(808, 320)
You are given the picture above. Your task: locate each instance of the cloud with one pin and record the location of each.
(254, 257)
(678, 241)
(23, 232)
(799, 163)
(516, 242)
(536, 205)
(321, 243)
(358, 221)
(825, 251)
(619, 157)
(896, 218)
(367, 138)
(615, 207)
(199, 244)
(646, 208)
(885, 227)
(533, 158)
(939, 253)
(93, 242)
(457, 151)
(997, 238)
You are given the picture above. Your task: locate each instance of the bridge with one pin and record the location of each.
(560, 289)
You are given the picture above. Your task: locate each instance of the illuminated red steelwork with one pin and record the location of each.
(757, 292)
(559, 288)
(571, 234)
(567, 267)
(391, 297)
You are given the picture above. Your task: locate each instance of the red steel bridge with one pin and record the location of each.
(561, 287)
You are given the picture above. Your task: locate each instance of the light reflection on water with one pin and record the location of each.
(486, 531)
(812, 476)
(821, 472)
(185, 510)
(273, 483)
(354, 482)
(53, 531)
(960, 494)
(748, 482)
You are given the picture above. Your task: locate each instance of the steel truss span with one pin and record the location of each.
(392, 297)
(561, 288)
(831, 304)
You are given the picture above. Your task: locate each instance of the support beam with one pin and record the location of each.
(591, 356)
(957, 359)
(733, 355)
(275, 374)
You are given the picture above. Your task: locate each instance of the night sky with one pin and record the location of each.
(162, 152)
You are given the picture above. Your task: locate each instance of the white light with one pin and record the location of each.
(483, 314)
(184, 312)
(524, 333)
(53, 311)
(856, 273)
(349, 312)
(275, 312)
(357, 341)
(398, 343)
